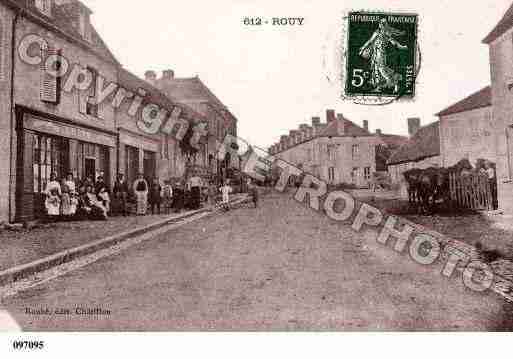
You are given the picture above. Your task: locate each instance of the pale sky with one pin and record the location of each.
(275, 78)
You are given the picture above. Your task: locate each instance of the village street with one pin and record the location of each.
(278, 267)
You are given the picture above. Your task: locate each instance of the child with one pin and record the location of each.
(225, 191)
(53, 205)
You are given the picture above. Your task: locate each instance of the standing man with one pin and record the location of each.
(121, 194)
(492, 180)
(155, 197)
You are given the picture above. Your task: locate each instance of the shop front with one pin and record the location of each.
(49, 145)
(138, 154)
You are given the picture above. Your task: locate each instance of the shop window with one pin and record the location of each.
(50, 156)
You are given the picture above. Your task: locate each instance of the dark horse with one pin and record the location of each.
(430, 186)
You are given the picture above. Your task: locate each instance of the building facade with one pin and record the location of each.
(55, 125)
(466, 130)
(500, 43)
(221, 122)
(421, 151)
(338, 151)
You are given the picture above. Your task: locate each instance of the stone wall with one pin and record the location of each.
(468, 135)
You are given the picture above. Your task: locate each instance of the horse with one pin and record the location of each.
(412, 180)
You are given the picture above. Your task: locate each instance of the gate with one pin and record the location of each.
(471, 191)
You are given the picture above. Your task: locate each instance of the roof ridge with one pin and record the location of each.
(478, 99)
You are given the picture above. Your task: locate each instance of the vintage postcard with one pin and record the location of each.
(241, 166)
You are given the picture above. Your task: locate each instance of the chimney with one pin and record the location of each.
(150, 77)
(413, 125)
(341, 124)
(366, 125)
(378, 132)
(316, 123)
(330, 116)
(168, 75)
(293, 137)
(304, 131)
(76, 13)
(284, 142)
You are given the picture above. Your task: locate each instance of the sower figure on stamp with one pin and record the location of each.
(375, 49)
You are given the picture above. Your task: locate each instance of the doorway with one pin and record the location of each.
(149, 165)
(90, 168)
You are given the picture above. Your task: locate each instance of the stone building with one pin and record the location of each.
(50, 128)
(466, 129)
(500, 43)
(194, 93)
(46, 129)
(422, 150)
(338, 151)
(154, 155)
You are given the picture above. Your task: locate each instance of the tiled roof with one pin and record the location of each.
(131, 82)
(61, 21)
(189, 89)
(425, 143)
(393, 141)
(339, 127)
(192, 90)
(504, 25)
(481, 98)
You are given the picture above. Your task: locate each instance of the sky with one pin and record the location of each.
(275, 78)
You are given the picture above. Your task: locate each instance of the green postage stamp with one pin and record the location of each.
(382, 56)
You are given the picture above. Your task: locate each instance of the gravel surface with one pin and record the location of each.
(278, 267)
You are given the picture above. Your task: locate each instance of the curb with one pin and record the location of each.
(17, 273)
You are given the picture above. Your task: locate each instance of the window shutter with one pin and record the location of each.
(48, 86)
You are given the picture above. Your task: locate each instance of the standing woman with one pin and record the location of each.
(141, 195)
(53, 192)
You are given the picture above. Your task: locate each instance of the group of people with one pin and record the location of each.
(70, 200)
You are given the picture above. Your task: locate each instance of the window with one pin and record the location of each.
(92, 102)
(332, 152)
(367, 173)
(355, 151)
(331, 174)
(354, 175)
(45, 6)
(50, 156)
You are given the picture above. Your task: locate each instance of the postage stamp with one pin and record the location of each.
(381, 56)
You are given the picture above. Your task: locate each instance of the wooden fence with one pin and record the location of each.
(471, 191)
